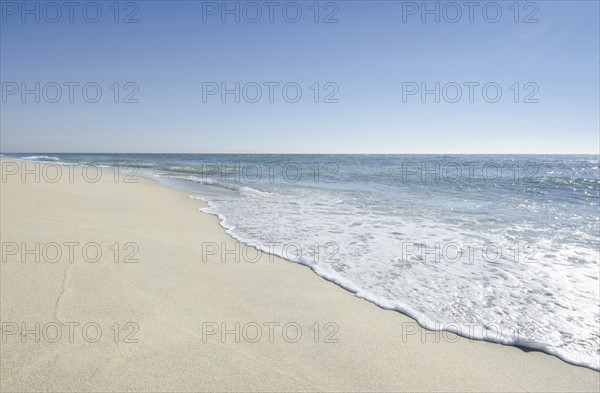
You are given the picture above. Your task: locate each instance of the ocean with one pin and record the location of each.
(503, 248)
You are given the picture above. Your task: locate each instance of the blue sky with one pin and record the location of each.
(374, 49)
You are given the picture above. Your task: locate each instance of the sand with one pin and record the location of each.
(159, 316)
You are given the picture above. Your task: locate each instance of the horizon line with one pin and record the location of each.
(304, 154)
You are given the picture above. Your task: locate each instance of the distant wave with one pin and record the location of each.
(40, 158)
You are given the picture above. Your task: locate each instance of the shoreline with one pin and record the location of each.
(353, 290)
(464, 331)
(169, 293)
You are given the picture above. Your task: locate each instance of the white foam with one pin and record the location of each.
(40, 158)
(546, 305)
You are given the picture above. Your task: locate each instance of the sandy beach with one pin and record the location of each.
(127, 286)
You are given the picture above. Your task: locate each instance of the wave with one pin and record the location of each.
(490, 332)
(367, 270)
(240, 189)
(40, 158)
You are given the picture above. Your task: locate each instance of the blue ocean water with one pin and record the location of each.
(497, 247)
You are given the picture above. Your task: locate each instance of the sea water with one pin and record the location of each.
(497, 247)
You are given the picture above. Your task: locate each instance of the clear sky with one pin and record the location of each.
(368, 61)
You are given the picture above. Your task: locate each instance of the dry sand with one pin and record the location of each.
(164, 306)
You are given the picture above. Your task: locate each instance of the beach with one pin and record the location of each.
(114, 285)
